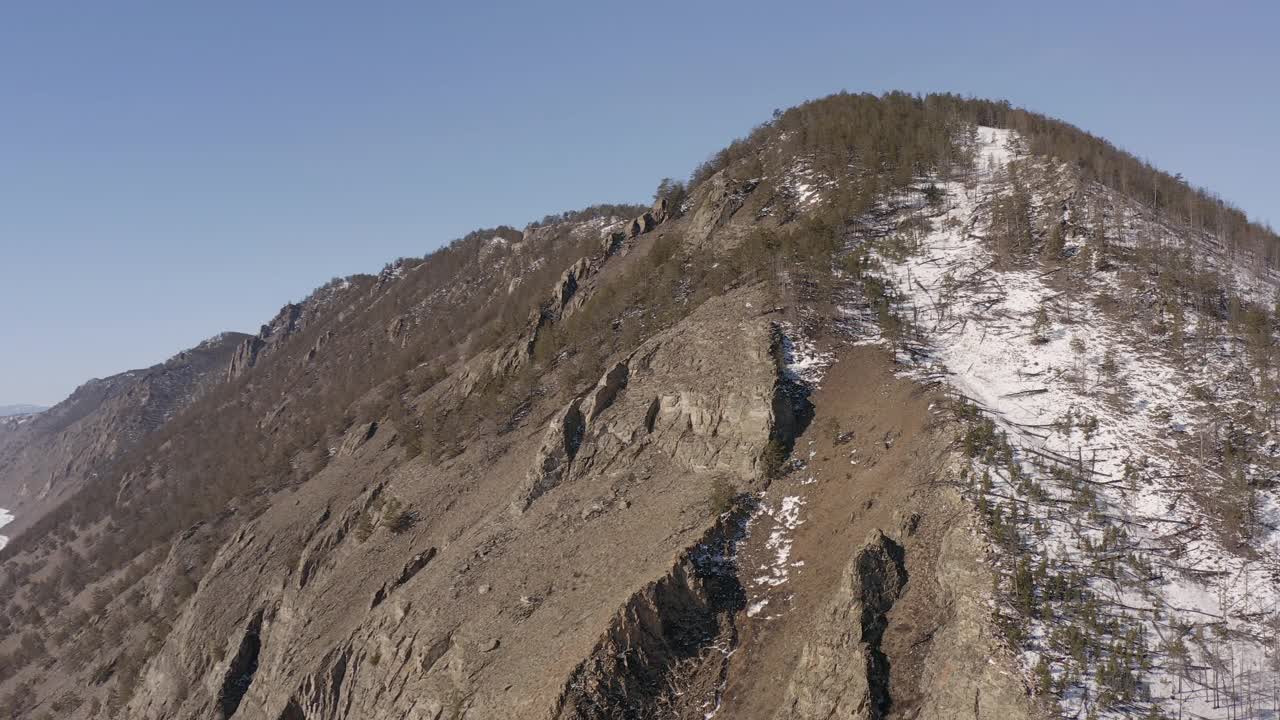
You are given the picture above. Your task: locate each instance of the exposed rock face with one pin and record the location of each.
(606, 391)
(319, 345)
(560, 444)
(612, 242)
(660, 212)
(358, 436)
(967, 672)
(564, 290)
(395, 330)
(187, 555)
(411, 568)
(705, 411)
(381, 628)
(567, 295)
(641, 225)
(245, 356)
(648, 220)
(716, 201)
(282, 326)
(662, 637)
(843, 673)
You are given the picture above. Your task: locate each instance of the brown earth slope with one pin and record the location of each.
(882, 613)
(494, 606)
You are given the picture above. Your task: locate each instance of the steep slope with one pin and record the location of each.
(788, 443)
(46, 458)
(1119, 369)
(491, 600)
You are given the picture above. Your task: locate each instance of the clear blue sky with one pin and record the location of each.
(169, 170)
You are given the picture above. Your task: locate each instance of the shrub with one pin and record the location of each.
(980, 436)
(774, 459)
(364, 527)
(401, 522)
(723, 496)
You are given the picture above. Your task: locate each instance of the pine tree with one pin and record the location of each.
(1040, 328)
(1056, 243)
(1044, 676)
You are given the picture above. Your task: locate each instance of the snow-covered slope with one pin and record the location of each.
(1140, 557)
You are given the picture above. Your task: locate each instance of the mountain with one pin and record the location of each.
(900, 407)
(11, 410)
(46, 458)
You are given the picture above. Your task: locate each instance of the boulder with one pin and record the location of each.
(660, 211)
(560, 442)
(356, 437)
(716, 201)
(603, 394)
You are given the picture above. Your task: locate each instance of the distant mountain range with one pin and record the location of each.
(11, 410)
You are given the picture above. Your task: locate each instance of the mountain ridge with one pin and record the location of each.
(408, 484)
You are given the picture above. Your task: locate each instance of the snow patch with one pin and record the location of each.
(1083, 392)
(6, 517)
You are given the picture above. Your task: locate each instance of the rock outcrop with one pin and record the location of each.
(647, 221)
(968, 673)
(564, 296)
(843, 673)
(660, 650)
(716, 203)
(358, 436)
(605, 391)
(706, 411)
(245, 356)
(560, 444)
(570, 292)
(282, 326)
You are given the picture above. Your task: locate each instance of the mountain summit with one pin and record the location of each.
(899, 407)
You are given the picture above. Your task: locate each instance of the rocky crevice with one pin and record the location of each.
(241, 669)
(411, 568)
(667, 649)
(792, 408)
(844, 672)
(882, 575)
